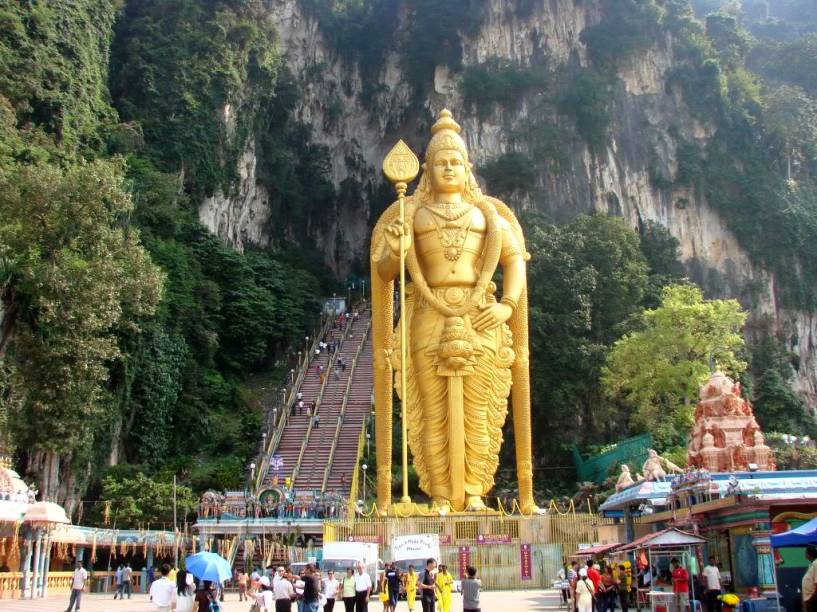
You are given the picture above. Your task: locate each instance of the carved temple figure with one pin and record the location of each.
(467, 349)
(625, 479)
(726, 435)
(653, 467)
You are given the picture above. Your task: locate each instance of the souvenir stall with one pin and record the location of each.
(653, 553)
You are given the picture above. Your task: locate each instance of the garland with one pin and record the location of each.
(492, 253)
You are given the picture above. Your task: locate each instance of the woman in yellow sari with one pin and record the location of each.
(384, 593)
(444, 585)
(410, 584)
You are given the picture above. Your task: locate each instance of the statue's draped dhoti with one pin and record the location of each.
(456, 408)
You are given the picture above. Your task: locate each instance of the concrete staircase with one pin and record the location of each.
(313, 445)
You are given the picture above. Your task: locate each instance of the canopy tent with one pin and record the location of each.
(670, 543)
(664, 539)
(597, 549)
(804, 535)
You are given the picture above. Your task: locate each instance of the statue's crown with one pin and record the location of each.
(446, 136)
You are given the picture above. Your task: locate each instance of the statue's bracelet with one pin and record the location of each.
(509, 301)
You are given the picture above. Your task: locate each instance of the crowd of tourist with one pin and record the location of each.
(325, 507)
(313, 590)
(590, 589)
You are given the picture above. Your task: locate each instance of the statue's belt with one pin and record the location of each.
(452, 296)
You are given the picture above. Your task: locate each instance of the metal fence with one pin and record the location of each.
(632, 450)
(494, 542)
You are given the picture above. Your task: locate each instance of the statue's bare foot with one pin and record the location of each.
(474, 504)
(442, 505)
(531, 508)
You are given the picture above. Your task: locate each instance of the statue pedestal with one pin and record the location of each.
(406, 510)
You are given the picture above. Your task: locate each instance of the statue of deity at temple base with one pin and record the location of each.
(466, 348)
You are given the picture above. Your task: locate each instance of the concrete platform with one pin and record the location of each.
(495, 601)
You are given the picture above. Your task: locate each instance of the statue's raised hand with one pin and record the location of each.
(393, 232)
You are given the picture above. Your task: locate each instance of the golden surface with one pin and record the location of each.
(460, 352)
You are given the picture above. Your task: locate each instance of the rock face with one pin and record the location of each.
(615, 180)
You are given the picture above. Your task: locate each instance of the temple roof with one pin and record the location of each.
(763, 486)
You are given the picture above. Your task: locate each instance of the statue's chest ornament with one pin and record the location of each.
(451, 232)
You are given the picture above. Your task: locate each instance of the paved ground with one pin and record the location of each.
(496, 601)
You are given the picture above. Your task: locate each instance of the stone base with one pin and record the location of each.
(411, 509)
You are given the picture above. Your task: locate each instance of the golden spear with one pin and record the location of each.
(401, 166)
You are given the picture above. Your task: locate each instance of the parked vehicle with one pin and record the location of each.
(339, 556)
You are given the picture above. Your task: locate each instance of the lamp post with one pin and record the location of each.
(264, 440)
(364, 467)
(252, 474)
(363, 288)
(292, 371)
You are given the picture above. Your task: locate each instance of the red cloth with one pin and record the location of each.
(595, 577)
(680, 580)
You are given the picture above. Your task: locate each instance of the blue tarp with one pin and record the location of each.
(804, 535)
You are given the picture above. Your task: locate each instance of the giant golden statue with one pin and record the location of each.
(466, 349)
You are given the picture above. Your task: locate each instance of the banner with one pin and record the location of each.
(445, 539)
(365, 539)
(464, 559)
(525, 564)
(483, 538)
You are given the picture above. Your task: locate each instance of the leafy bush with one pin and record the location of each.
(627, 27)
(508, 173)
(499, 81)
(587, 98)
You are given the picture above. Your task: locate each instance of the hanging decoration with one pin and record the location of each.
(93, 549)
(106, 514)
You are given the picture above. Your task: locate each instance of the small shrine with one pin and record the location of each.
(726, 437)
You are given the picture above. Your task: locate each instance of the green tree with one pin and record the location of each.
(656, 371)
(141, 501)
(586, 281)
(74, 275)
(776, 405)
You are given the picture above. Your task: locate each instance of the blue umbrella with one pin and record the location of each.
(209, 566)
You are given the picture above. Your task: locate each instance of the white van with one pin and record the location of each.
(339, 556)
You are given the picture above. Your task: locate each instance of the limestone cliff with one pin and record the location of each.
(614, 180)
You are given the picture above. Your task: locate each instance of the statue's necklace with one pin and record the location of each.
(449, 212)
(452, 235)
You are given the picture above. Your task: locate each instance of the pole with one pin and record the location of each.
(401, 192)
(175, 528)
(401, 167)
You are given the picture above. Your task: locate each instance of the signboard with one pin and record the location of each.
(445, 539)
(463, 559)
(417, 546)
(365, 539)
(525, 563)
(484, 538)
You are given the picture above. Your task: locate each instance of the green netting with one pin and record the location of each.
(632, 451)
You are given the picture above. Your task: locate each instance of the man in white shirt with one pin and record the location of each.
(77, 586)
(330, 591)
(363, 588)
(161, 591)
(283, 592)
(712, 582)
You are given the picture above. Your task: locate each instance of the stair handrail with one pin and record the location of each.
(283, 418)
(339, 424)
(233, 550)
(361, 444)
(329, 367)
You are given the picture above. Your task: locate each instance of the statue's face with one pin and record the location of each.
(448, 172)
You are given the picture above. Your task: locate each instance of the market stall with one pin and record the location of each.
(655, 550)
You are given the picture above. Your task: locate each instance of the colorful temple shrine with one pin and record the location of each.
(731, 496)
